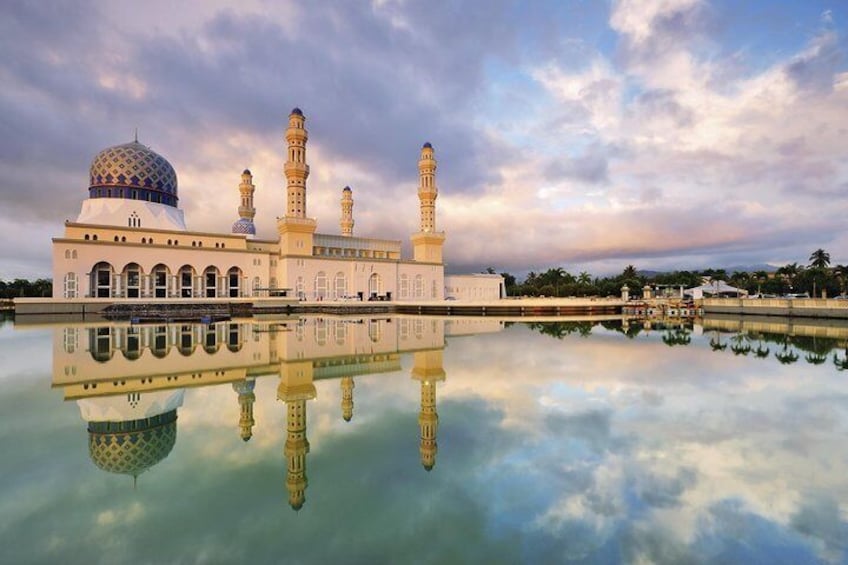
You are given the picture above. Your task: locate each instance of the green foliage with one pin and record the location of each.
(24, 288)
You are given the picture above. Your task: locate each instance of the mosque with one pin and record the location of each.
(130, 241)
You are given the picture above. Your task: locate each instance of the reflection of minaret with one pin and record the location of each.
(295, 389)
(347, 212)
(246, 398)
(428, 369)
(347, 398)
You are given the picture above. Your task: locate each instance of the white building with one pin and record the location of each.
(130, 240)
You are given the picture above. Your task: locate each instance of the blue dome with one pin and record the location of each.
(427, 145)
(134, 172)
(245, 226)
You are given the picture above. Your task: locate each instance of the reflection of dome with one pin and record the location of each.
(132, 447)
(244, 225)
(134, 172)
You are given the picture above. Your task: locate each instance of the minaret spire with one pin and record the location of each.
(246, 210)
(347, 212)
(296, 169)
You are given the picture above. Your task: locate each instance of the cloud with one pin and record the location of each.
(639, 117)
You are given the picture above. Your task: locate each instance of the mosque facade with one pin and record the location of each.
(130, 241)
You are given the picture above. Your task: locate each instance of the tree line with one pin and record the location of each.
(25, 288)
(813, 278)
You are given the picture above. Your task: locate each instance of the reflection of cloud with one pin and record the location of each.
(598, 449)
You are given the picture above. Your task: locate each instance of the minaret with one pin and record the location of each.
(347, 398)
(347, 212)
(295, 228)
(296, 169)
(295, 389)
(246, 210)
(427, 243)
(427, 191)
(246, 398)
(428, 369)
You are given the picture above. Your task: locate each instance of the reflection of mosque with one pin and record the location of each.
(129, 380)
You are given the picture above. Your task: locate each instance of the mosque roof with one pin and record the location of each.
(245, 226)
(132, 165)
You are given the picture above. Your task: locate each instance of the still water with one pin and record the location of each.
(422, 440)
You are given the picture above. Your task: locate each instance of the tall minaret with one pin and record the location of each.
(427, 243)
(246, 210)
(295, 388)
(246, 398)
(296, 169)
(347, 212)
(347, 398)
(427, 191)
(295, 229)
(428, 369)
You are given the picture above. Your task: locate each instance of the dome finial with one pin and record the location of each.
(136, 135)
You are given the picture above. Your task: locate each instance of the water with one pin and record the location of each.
(545, 443)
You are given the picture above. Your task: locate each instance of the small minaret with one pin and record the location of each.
(347, 398)
(296, 169)
(246, 398)
(246, 210)
(427, 243)
(295, 229)
(428, 369)
(347, 212)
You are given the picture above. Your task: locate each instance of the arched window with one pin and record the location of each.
(340, 285)
(321, 286)
(210, 280)
(186, 280)
(419, 286)
(375, 285)
(101, 280)
(132, 280)
(71, 285)
(160, 281)
(299, 288)
(404, 286)
(234, 282)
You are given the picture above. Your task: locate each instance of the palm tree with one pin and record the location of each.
(819, 259)
(584, 278)
(815, 358)
(740, 345)
(629, 272)
(760, 276)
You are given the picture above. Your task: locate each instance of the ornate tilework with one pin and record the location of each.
(133, 165)
(132, 452)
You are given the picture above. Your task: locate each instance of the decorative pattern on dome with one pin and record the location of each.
(245, 226)
(133, 171)
(130, 448)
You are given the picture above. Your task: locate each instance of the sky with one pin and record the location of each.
(667, 134)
